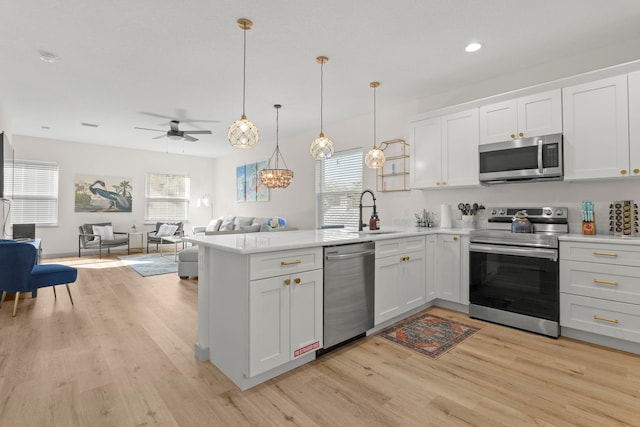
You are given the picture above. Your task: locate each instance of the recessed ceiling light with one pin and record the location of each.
(46, 56)
(472, 47)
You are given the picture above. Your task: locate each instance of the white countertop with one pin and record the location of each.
(601, 238)
(249, 243)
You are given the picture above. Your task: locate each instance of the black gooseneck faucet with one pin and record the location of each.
(360, 224)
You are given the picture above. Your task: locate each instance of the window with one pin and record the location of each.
(167, 197)
(338, 188)
(35, 192)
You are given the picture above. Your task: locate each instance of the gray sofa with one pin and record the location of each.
(188, 258)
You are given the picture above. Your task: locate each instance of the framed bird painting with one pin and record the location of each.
(95, 193)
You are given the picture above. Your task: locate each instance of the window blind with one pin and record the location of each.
(35, 192)
(338, 188)
(167, 197)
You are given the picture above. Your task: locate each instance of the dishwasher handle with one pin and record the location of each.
(349, 256)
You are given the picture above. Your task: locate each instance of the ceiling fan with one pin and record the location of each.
(177, 134)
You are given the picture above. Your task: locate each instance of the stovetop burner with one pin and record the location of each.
(548, 223)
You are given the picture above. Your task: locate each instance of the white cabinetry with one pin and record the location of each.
(399, 277)
(634, 123)
(596, 129)
(431, 252)
(448, 268)
(527, 116)
(285, 311)
(600, 289)
(445, 151)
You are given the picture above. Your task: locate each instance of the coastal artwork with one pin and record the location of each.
(240, 184)
(97, 193)
(249, 188)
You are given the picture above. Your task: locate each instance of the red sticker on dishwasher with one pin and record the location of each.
(307, 348)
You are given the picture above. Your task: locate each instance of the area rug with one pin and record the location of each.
(428, 334)
(150, 265)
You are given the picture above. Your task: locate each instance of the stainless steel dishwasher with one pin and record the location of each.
(348, 291)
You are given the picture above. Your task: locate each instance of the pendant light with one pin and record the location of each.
(321, 147)
(375, 157)
(243, 133)
(274, 177)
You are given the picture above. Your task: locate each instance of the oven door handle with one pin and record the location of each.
(551, 254)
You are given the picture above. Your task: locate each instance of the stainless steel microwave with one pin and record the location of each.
(523, 159)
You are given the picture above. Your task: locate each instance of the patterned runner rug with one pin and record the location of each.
(428, 334)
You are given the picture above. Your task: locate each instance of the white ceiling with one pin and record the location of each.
(124, 63)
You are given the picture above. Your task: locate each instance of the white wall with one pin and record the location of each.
(75, 158)
(297, 202)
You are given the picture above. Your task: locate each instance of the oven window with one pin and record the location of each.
(517, 284)
(509, 160)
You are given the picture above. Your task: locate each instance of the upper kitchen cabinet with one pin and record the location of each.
(634, 123)
(596, 129)
(527, 116)
(445, 151)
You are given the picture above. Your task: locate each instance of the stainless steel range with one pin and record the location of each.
(514, 277)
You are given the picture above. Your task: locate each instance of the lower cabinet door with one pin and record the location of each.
(448, 268)
(306, 312)
(387, 300)
(269, 342)
(413, 280)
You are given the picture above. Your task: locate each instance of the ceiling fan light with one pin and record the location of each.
(321, 148)
(243, 133)
(375, 158)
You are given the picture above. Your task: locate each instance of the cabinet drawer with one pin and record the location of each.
(611, 282)
(608, 318)
(399, 246)
(602, 253)
(284, 262)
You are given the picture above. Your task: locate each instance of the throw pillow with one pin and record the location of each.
(214, 225)
(250, 228)
(104, 231)
(166, 230)
(242, 220)
(227, 224)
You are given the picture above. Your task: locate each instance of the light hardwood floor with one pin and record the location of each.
(123, 356)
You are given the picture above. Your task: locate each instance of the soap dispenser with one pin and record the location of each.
(372, 222)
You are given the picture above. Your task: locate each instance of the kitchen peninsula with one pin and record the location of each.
(260, 295)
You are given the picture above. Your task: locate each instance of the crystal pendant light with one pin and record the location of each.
(321, 147)
(274, 177)
(243, 133)
(375, 157)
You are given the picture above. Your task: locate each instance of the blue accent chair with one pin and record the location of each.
(21, 274)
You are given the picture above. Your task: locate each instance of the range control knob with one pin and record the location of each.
(493, 212)
(548, 212)
(502, 212)
(559, 212)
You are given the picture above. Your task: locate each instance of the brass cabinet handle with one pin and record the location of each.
(437, 182)
(623, 171)
(605, 282)
(605, 253)
(513, 136)
(521, 134)
(295, 261)
(455, 237)
(604, 319)
(297, 280)
(403, 258)
(636, 171)
(444, 182)
(287, 282)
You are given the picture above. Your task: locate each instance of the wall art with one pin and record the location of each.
(97, 193)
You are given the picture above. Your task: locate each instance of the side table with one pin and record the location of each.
(172, 239)
(136, 240)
